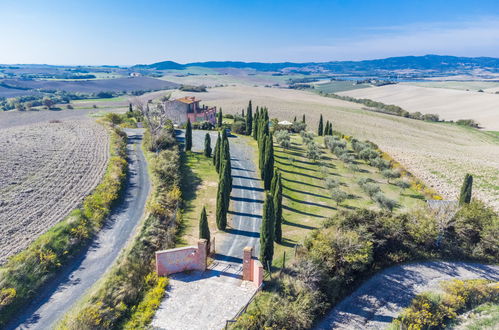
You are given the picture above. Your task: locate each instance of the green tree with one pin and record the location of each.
(261, 158)
(269, 162)
(221, 213)
(256, 119)
(277, 197)
(216, 153)
(320, 130)
(188, 136)
(303, 119)
(249, 119)
(466, 190)
(207, 145)
(267, 232)
(204, 229)
(130, 109)
(219, 118)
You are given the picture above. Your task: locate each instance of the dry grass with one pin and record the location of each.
(450, 104)
(439, 154)
(46, 170)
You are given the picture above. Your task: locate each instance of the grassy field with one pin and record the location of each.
(439, 154)
(449, 104)
(307, 202)
(338, 86)
(199, 188)
(460, 85)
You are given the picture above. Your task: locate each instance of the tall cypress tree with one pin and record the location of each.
(466, 190)
(207, 145)
(130, 107)
(274, 181)
(204, 229)
(294, 120)
(221, 214)
(188, 136)
(261, 158)
(269, 162)
(267, 233)
(277, 196)
(249, 118)
(226, 170)
(216, 153)
(220, 118)
(256, 119)
(303, 119)
(320, 130)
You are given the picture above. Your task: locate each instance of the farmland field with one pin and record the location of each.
(449, 104)
(338, 86)
(439, 154)
(45, 171)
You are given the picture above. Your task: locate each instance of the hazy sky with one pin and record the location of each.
(130, 32)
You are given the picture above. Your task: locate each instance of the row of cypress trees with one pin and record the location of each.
(270, 230)
(324, 130)
(221, 160)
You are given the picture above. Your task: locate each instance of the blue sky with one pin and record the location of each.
(130, 32)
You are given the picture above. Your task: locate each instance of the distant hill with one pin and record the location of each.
(436, 63)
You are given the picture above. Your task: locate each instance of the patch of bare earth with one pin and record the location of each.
(439, 154)
(46, 169)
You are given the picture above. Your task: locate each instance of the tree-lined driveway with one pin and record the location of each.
(205, 300)
(382, 298)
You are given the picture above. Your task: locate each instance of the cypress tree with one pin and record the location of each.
(242, 113)
(207, 145)
(261, 158)
(188, 136)
(204, 229)
(249, 119)
(266, 115)
(269, 162)
(216, 153)
(466, 190)
(326, 128)
(221, 207)
(219, 118)
(320, 130)
(227, 168)
(294, 120)
(303, 119)
(267, 233)
(274, 181)
(277, 195)
(130, 107)
(255, 124)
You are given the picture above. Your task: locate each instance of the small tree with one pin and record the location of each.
(204, 229)
(249, 119)
(207, 145)
(220, 118)
(283, 138)
(320, 130)
(216, 153)
(267, 232)
(466, 190)
(188, 136)
(331, 183)
(390, 174)
(313, 152)
(221, 206)
(303, 119)
(277, 196)
(338, 196)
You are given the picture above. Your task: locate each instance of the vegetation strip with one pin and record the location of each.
(131, 292)
(25, 273)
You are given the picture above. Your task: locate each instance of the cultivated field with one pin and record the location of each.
(450, 104)
(439, 154)
(45, 171)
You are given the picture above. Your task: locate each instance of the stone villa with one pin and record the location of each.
(181, 109)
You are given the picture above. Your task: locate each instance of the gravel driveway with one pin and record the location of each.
(381, 298)
(72, 282)
(205, 300)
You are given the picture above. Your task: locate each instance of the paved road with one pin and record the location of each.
(381, 298)
(205, 300)
(74, 281)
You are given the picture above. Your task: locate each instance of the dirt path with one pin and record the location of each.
(381, 298)
(73, 281)
(205, 300)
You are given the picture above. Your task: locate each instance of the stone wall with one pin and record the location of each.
(252, 268)
(181, 259)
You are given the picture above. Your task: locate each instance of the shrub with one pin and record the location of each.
(383, 201)
(331, 183)
(390, 174)
(283, 138)
(338, 195)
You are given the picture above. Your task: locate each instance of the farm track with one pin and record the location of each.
(381, 298)
(46, 170)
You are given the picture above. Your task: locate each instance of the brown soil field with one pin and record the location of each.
(439, 154)
(449, 104)
(46, 169)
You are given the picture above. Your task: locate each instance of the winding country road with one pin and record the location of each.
(73, 281)
(205, 300)
(382, 298)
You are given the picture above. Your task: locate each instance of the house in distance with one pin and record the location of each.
(188, 107)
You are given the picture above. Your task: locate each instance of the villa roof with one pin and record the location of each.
(188, 99)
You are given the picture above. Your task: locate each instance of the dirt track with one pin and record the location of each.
(46, 169)
(381, 298)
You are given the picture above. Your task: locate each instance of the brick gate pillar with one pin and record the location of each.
(247, 271)
(202, 253)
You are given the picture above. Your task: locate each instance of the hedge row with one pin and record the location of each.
(25, 273)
